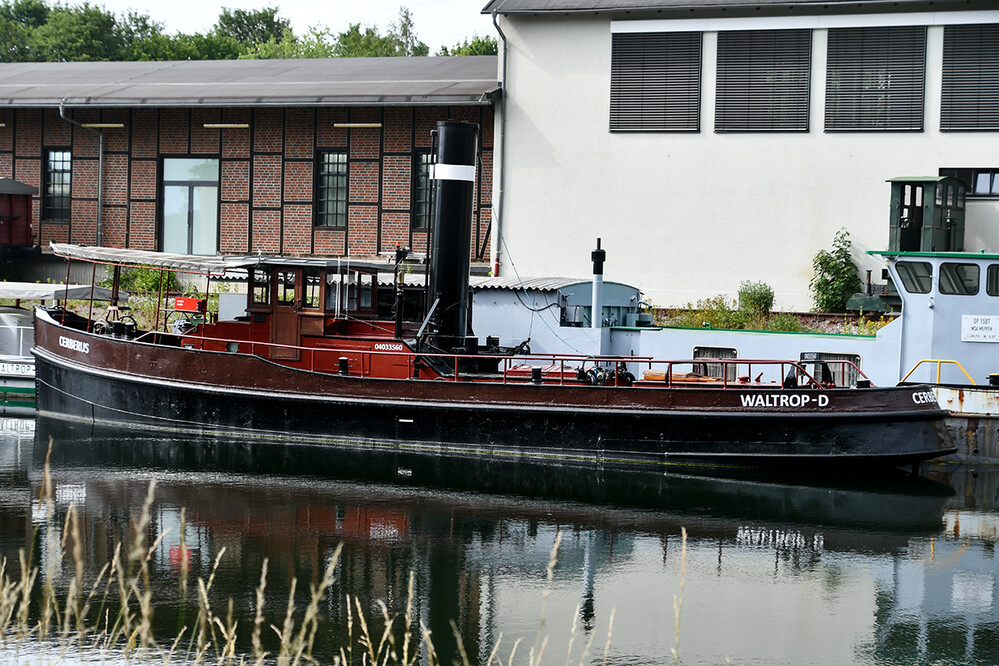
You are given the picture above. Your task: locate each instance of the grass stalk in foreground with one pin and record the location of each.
(110, 618)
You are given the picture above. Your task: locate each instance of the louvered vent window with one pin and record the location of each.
(655, 82)
(874, 79)
(970, 99)
(763, 81)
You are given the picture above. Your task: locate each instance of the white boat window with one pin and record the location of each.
(959, 279)
(916, 276)
(992, 280)
(715, 369)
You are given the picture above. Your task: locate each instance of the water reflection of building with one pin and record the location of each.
(937, 600)
(789, 570)
(16, 439)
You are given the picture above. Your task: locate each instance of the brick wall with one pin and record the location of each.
(267, 173)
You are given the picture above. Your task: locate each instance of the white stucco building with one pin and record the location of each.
(708, 142)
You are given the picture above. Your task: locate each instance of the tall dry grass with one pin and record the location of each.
(109, 619)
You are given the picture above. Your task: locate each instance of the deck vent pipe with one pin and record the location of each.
(344, 365)
(536, 375)
(596, 311)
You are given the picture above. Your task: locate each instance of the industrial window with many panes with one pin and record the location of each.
(56, 195)
(331, 197)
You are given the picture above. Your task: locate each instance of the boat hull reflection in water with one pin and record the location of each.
(829, 562)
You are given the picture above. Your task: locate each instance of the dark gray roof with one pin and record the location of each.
(11, 186)
(329, 82)
(569, 6)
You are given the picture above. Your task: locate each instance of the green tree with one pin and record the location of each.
(319, 43)
(469, 47)
(29, 13)
(252, 27)
(142, 38)
(835, 278)
(14, 36)
(404, 33)
(400, 40)
(367, 43)
(80, 33)
(204, 47)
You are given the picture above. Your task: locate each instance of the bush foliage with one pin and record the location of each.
(143, 280)
(835, 278)
(756, 297)
(720, 312)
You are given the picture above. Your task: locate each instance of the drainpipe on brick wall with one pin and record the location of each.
(498, 185)
(100, 172)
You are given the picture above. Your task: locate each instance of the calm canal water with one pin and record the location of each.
(893, 570)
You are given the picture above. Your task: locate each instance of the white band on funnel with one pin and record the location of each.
(454, 172)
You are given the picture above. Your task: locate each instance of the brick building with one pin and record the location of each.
(291, 157)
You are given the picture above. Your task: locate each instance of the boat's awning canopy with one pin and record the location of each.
(186, 263)
(34, 291)
(216, 266)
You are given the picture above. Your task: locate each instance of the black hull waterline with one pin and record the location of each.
(424, 420)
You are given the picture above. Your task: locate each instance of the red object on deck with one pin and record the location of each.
(187, 304)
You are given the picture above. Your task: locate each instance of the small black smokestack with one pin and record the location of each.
(454, 173)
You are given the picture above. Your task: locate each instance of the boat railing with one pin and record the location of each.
(742, 372)
(542, 368)
(939, 362)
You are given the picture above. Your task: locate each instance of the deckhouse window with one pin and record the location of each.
(874, 79)
(917, 276)
(970, 88)
(331, 203)
(56, 195)
(350, 291)
(311, 286)
(260, 286)
(727, 370)
(286, 287)
(655, 82)
(992, 280)
(958, 279)
(763, 81)
(842, 368)
(360, 290)
(981, 182)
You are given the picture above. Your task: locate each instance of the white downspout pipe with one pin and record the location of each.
(494, 249)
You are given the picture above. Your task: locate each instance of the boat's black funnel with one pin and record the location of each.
(452, 231)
